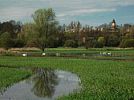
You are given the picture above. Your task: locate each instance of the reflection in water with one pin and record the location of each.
(44, 82)
(2, 91)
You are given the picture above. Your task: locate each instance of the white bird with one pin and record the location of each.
(104, 53)
(24, 54)
(109, 53)
(43, 54)
(83, 55)
(57, 54)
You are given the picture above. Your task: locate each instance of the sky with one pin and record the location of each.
(91, 12)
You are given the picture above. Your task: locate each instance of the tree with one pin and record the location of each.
(71, 43)
(28, 34)
(11, 27)
(6, 40)
(101, 42)
(113, 40)
(45, 26)
(126, 43)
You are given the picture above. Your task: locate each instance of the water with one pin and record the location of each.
(45, 84)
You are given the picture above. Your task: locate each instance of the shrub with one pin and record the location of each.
(98, 45)
(101, 42)
(127, 43)
(90, 42)
(6, 41)
(19, 43)
(94, 43)
(112, 41)
(71, 43)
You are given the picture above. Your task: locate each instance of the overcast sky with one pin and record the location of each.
(91, 12)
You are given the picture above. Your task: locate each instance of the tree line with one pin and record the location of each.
(46, 32)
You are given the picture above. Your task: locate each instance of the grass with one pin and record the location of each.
(92, 53)
(77, 50)
(101, 79)
(80, 51)
(9, 76)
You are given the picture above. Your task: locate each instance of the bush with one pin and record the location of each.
(6, 41)
(52, 42)
(94, 43)
(19, 43)
(90, 42)
(127, 43)
(112, 40)
(71, 43)
(100, 42)
(98, 45)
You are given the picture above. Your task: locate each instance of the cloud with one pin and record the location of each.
(15, 13)
(84, 11)
(61, 15)
(20, 9)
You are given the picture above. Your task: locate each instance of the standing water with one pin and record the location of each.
(45, 84)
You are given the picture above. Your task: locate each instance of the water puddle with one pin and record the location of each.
(45, 84)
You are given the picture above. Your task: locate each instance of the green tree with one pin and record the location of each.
(101, 42)
(126, 43)
(45, 26)
(113, 40)
(6, 40)
(28, 34)
(71, 43)
(90, 42)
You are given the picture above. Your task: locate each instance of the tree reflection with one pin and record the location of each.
(44, 82)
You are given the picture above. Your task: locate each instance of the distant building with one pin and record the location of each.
(113, 27)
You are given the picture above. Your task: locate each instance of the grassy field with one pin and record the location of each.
(101, 79)
(92, 53)
(9, 76)
(76, 50)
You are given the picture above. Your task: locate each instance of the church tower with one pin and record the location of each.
(113, 27)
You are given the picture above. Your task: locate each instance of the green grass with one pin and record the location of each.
(101, 79)
(8, 76)
(92, 53)
(82, 50)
